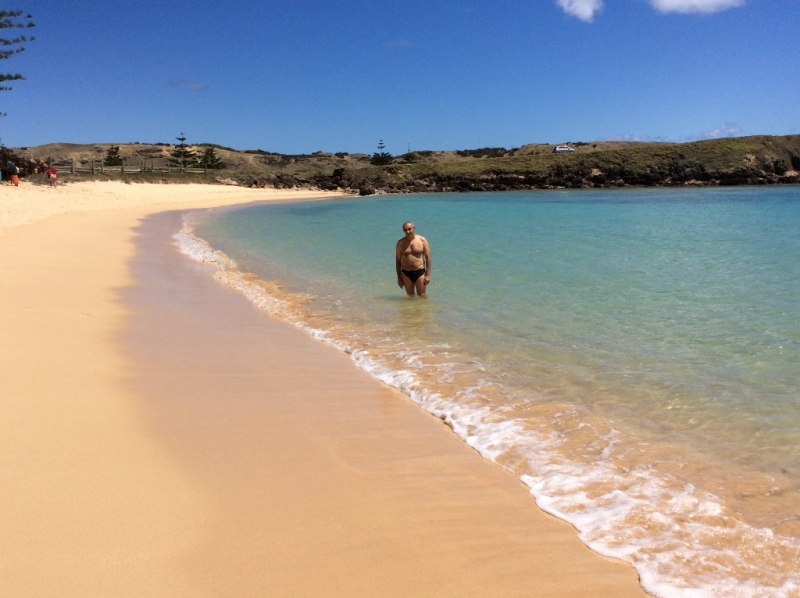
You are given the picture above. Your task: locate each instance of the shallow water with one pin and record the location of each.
(633, 355)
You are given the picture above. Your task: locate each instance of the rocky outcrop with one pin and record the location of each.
(564, 178)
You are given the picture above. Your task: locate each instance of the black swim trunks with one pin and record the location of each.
(413, 275)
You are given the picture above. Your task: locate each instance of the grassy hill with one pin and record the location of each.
(731, 161)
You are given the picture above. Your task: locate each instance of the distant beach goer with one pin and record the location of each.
(413, 261)
(51, 176)
(13, 172)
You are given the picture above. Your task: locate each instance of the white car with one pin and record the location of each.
(563, 149)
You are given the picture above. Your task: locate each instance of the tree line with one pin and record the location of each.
(11, 46)
(181, 156)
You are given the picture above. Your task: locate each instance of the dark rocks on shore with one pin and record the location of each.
(357, 182)
(667, 166)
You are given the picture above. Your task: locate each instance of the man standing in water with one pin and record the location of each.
(413, 261)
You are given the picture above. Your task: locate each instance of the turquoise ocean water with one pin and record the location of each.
(634, 355)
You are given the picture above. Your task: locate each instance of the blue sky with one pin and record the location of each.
(298, 76)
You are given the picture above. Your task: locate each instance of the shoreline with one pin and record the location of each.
(657, 482)
(133, 471)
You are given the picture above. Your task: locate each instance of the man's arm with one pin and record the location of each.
(428, 266)
(398, 256)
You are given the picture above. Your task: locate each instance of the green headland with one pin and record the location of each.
(756, 160)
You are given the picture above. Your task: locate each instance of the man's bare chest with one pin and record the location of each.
(414, 247)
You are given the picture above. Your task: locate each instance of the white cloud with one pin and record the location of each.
(688, 6)
(726, 129)
(583, 9)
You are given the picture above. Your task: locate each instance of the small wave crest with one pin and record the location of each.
(683, 542)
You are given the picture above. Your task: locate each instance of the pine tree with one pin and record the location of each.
(381, 157)
(112, 156)
(13, 19)
(210, 160)
(182, 156)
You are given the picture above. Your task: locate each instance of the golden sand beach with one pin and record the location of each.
(160, 436)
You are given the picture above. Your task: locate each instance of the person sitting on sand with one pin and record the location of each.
(413, 261)
(51, 176)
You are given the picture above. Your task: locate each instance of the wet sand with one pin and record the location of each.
(160, 436)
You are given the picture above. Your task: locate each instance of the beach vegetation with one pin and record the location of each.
(262, 152)
(381, 157)
(13, 19)
(209, 159)
(182, 155)
(11, 46)
(409, 158)
(112, 157)
(484, 152)
(9, 155)
(216, 146)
